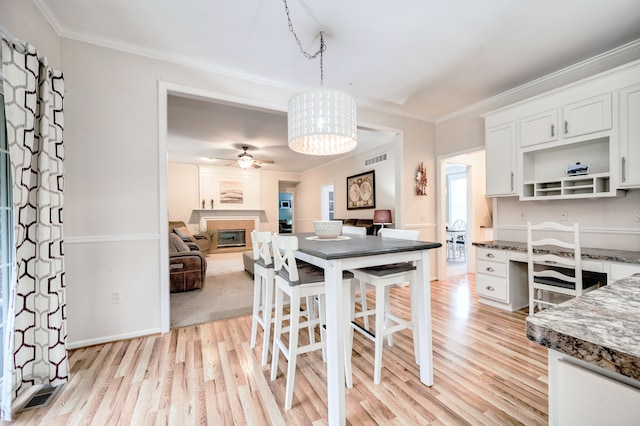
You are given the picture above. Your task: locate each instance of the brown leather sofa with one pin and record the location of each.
(197, 242)
(365, 223)
(187, 268)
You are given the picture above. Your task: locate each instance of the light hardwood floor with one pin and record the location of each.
(486, 372)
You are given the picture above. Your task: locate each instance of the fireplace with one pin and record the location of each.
(231, 234)
(231, 238)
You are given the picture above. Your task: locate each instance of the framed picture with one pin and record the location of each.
(361, 191)
(231, 192)
(578, 169)
(285, 204)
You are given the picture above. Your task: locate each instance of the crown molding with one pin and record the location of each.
(601, 59)
(62, 31)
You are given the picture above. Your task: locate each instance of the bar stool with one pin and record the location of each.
(296, 279)
(358, 285)
(382, 278)
(263, 282)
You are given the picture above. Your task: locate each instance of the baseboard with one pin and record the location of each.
(112, 338)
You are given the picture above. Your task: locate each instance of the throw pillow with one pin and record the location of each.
(184, 233)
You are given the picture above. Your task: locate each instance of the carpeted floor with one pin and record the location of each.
(227, 293)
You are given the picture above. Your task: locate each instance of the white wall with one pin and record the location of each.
(114, 200)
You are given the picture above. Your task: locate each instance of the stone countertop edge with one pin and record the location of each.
(601, 327)
(612, 255)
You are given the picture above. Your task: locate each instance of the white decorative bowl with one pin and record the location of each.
(327, 228)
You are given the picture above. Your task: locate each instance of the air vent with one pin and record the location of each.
(41, 398)
(377, 159)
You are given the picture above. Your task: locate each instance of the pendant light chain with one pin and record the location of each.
(307, 55)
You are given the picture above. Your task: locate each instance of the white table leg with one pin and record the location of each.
(424, 319)
(336, 294)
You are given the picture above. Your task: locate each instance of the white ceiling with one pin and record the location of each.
(419, 58)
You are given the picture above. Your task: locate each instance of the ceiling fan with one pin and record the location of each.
(246, 160)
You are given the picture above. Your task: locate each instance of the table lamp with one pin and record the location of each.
(382, 217)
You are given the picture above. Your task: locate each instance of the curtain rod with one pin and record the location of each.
(20, 45)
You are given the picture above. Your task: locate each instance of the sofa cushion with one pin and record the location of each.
(185, 234)
(176, 245)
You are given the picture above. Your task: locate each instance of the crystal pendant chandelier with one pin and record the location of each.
(320, 121)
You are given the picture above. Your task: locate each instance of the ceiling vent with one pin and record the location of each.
(376, 159)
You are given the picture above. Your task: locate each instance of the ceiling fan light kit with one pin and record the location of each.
(320, 121)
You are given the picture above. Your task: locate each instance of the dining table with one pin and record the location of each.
(341, 253)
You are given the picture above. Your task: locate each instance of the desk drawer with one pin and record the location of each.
(492, 268)
(492, 287)
(491, 254)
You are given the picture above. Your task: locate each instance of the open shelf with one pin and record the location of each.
(594, 185)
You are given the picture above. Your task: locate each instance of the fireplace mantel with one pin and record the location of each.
(204, 215)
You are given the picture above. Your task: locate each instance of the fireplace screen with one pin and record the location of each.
(231, 238)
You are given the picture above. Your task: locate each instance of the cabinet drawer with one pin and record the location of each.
(495, 269)
(492, 287)
(491, 254)
(618, 271)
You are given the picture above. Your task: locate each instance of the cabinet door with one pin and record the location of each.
(539, 128)
(630, 137)
(588, 116)
(501, 160)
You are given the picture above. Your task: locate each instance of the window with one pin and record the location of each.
(6, 224)
(327, 202)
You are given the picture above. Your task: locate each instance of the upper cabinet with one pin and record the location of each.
(587, 116)
(501, 160)
(579, 118)
(579, 141)
(630, 137)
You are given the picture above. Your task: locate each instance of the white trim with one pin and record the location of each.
(163, 206)
(89, 239)
(583, 230)
(112, 338)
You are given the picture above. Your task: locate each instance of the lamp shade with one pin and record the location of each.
(382, 216)
(322, 122)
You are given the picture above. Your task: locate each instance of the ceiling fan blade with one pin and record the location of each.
(263, 161)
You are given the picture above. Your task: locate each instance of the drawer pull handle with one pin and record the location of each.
(490, 269)
(490, 255)
(490, 288)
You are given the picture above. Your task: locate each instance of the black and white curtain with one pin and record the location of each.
(35, 352)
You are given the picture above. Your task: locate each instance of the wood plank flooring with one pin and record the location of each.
(486, 373)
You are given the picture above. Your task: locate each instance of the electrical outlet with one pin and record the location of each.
(523, 216)
(116, 297)
(636, 215)
(564, 216)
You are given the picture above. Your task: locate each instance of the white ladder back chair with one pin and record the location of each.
(555, 264)
(382, 278)
(296, 279)
(263, 286)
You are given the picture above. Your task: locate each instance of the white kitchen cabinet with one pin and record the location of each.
(619, 270)
(629, 176)
(584, 394)
(498, 281)
(539, 128)
(578, 118)
(500, 144)
(588, 116)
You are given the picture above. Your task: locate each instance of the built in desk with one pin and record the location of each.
(501, 270)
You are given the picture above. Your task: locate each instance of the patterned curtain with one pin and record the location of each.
(36, 351)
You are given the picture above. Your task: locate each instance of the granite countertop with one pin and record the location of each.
(601, 327)
(611, 255)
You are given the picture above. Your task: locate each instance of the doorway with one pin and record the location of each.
(466, 180)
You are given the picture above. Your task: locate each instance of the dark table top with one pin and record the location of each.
(358, 246)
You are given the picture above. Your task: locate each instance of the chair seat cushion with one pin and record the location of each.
(390, 269)
(261, 262)
(587, 282)
(308, 274)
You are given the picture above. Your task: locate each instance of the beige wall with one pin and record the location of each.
(113, 196)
